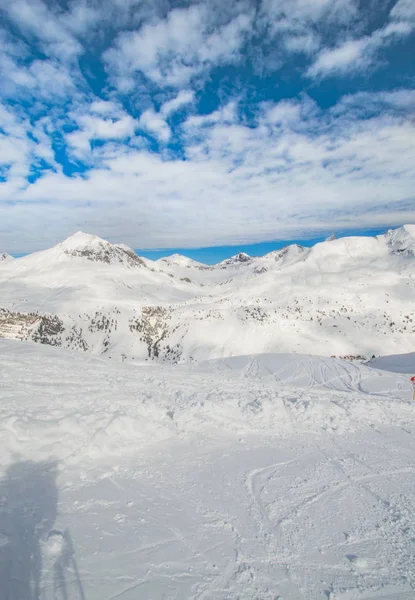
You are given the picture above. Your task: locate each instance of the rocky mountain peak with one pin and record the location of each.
(94, 248)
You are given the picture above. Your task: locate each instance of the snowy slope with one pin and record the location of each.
(199, 482)
(320, 373)
(350, 296)
(399, 363)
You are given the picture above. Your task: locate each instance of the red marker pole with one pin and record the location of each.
(413, 384)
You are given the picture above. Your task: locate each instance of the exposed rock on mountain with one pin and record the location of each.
(96, 249)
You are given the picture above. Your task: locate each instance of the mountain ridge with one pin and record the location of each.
(399, 240)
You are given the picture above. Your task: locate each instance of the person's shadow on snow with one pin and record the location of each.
(28, 508)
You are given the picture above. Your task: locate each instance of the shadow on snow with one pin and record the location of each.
(30, 549)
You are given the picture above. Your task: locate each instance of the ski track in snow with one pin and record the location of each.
(268, 477)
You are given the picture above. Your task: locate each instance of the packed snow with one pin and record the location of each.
(285, 477)
(351, 297)
(399, 363)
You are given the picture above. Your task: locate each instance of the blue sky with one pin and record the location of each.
(214, 254)
(180, 125)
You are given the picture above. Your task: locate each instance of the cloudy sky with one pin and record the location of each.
(166, 124)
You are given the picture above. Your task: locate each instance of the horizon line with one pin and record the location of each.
(211, 255)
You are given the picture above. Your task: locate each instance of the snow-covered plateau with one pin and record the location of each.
(208, 442)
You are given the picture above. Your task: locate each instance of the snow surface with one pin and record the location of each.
(321, 373)
(256, 477)
(400, 363)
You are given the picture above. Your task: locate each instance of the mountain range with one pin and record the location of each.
(352, 296)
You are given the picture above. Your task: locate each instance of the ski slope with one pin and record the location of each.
(399, 363)
(321, 373)
(254, 477)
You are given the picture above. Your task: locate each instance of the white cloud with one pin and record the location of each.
(51, 79)
(64, 29)
(358, 54)
(359, 104)
(284, 113)
(353, 55)
(36, 18)
(313, 10)
(173, 50)
(24, 76)
(88, 17)
(294, 23)
(183, 98)
(242, 184)
(116, 126)
(43, 79)
(249, 171)
(227, 114)
(105, 107)
(404, 10)
(13, 152)
(19, 152)
(300, 27)
(307, 43)
(155, 123)
(108, 129)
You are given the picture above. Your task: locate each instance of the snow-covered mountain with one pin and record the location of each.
(402, 240)
(4, 256)
(93, 248)
(240, 258)
(178, 260)
(350, 296)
